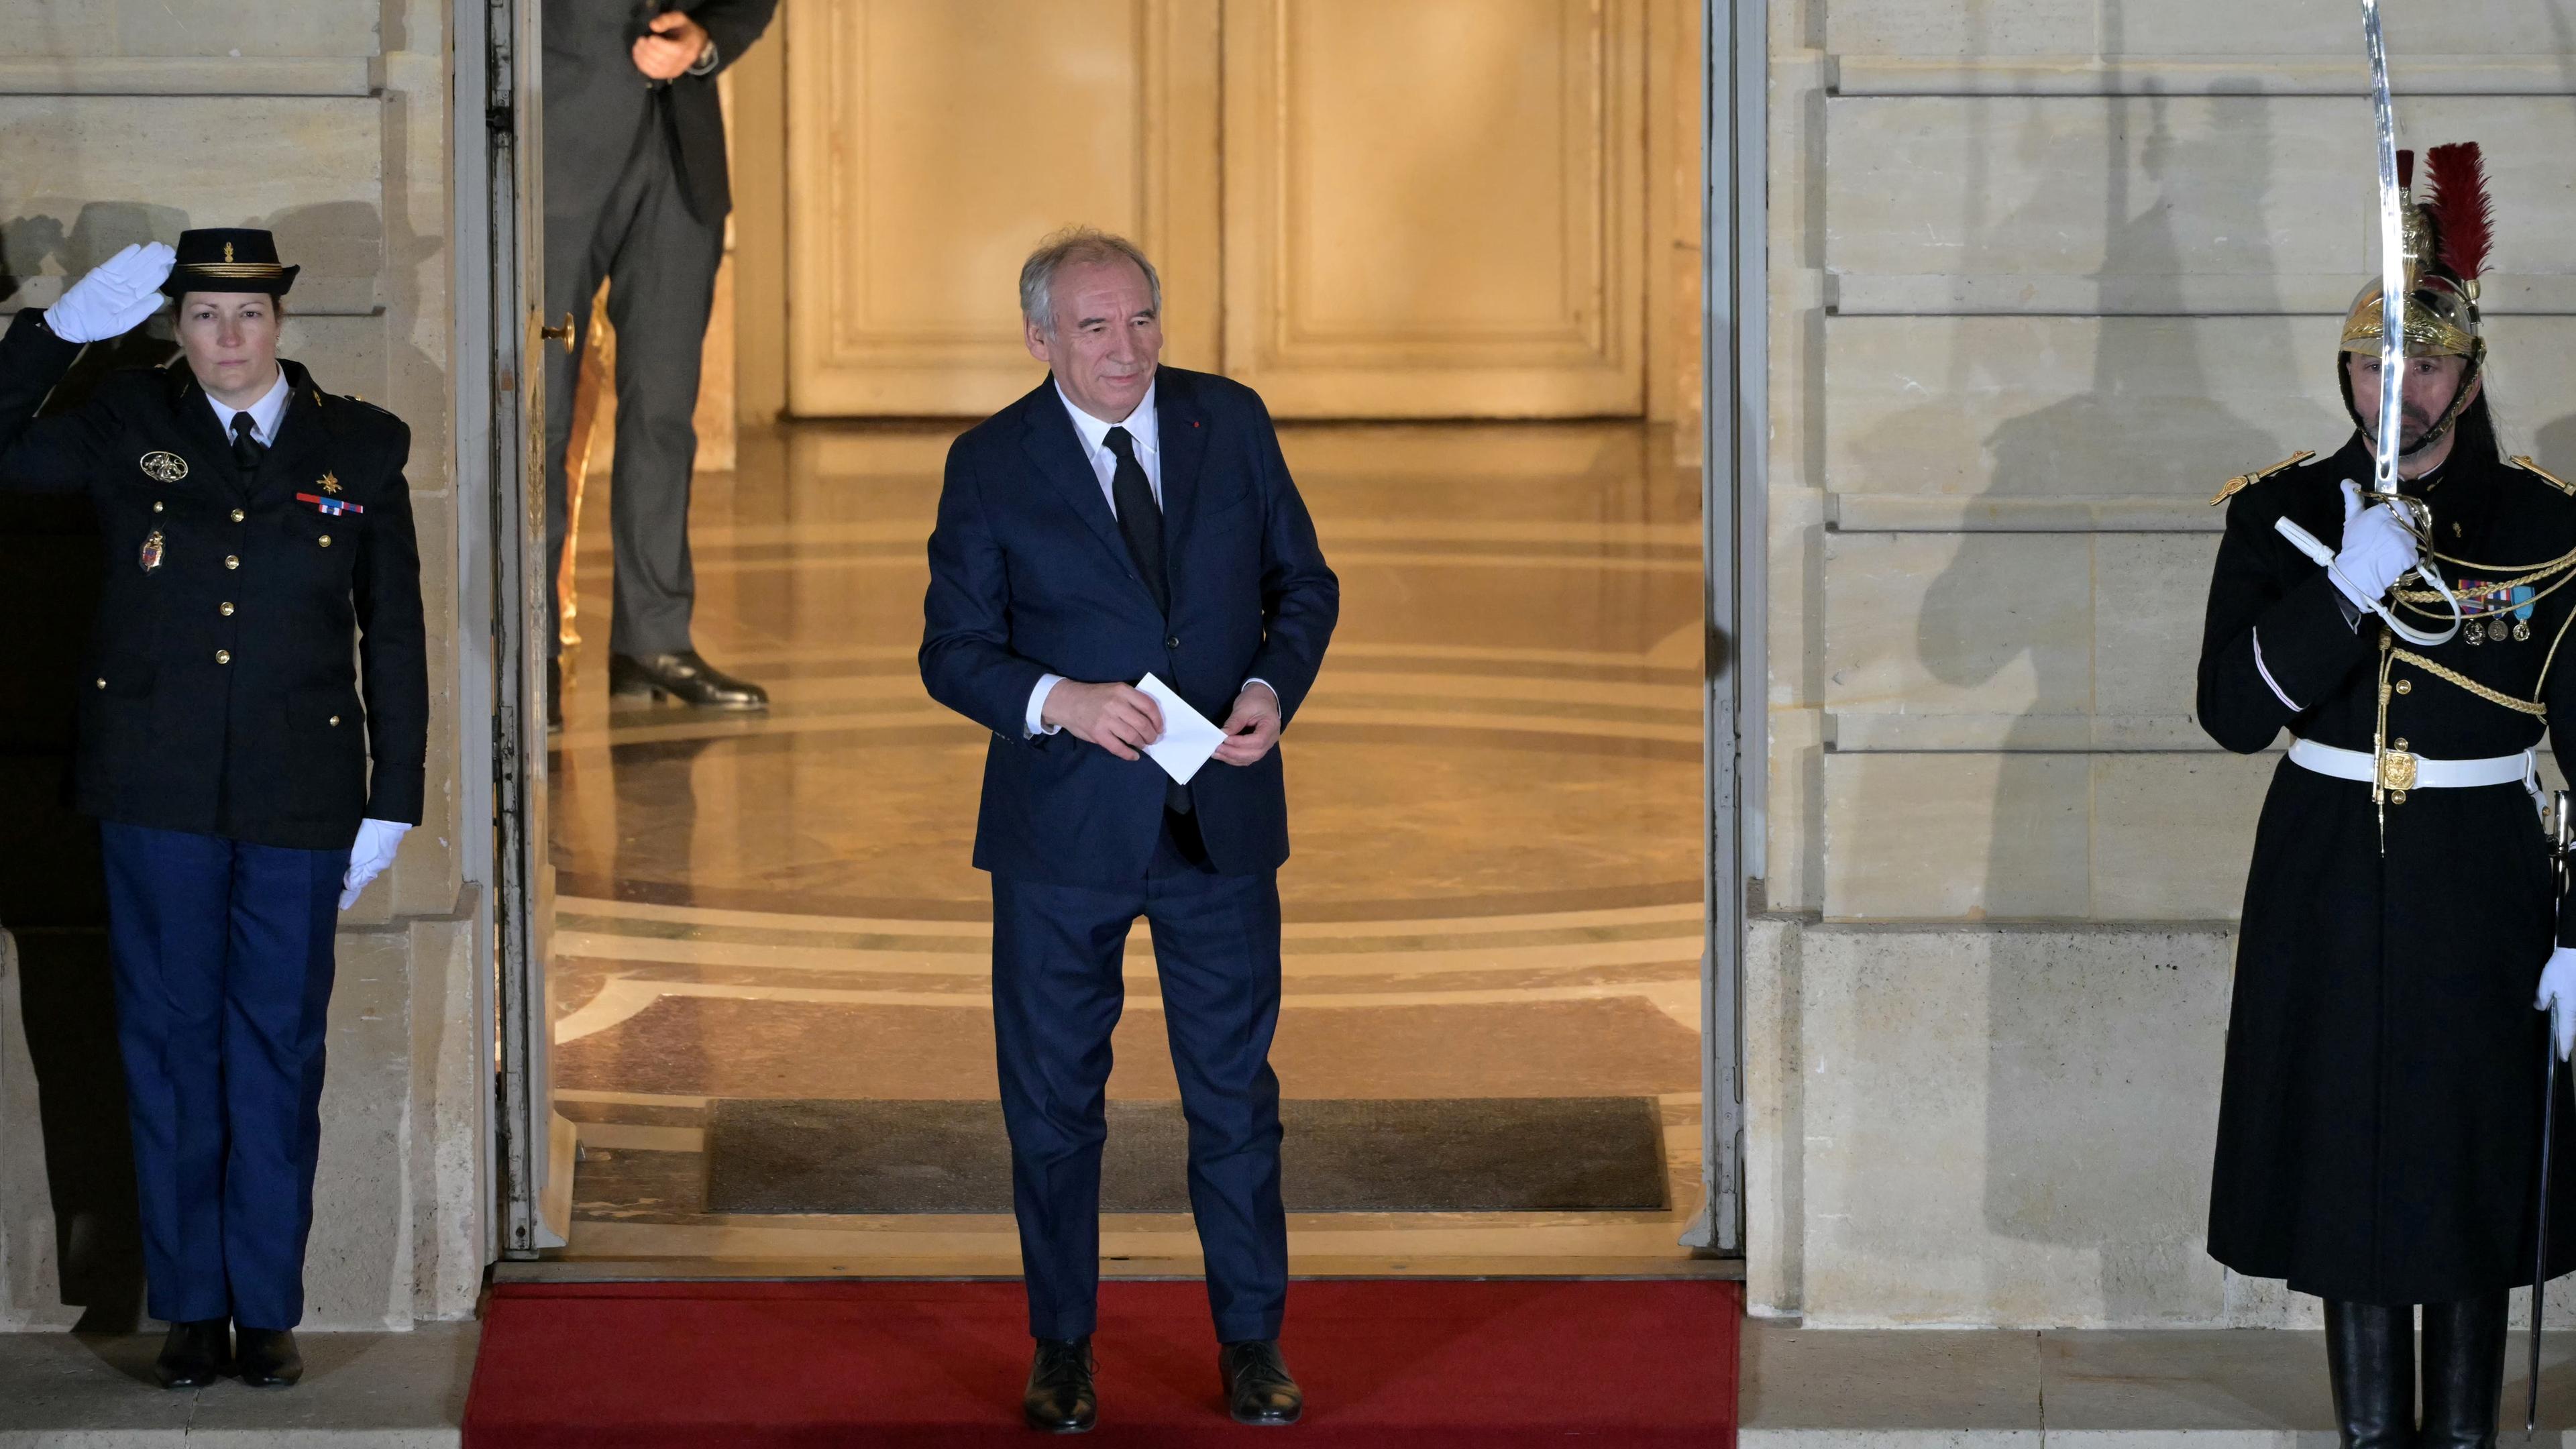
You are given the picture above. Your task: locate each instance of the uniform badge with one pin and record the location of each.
(328, 507)
(163, 467)
(150, 558)
(329, 483)
(2507, 610)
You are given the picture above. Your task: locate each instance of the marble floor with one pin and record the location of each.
(1494, 798)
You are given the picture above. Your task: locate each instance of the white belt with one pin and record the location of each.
(2404, 771)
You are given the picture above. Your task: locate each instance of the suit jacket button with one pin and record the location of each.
(156, 505)
(227, 608)
(102, 684)
(1172, 643)
(232, 561)
(326, 540)
(335, 721)
(238, 515)
(223, 656)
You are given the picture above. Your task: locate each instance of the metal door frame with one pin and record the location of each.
(1735, 409)
(495, 777)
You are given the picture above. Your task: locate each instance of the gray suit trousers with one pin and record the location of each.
(660, 265)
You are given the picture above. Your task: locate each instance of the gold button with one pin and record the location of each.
(238, 515)
(156, 505)
(2401, 744)
(335, 720)
(232, 561)
(223, 656)
(2406, 686)
(102, 684)
(326, 540)
(228, 608)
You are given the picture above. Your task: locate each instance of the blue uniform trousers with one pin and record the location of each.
(1057, 994)
(222, 955)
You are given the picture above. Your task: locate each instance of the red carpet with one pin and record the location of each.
(1383, 1362)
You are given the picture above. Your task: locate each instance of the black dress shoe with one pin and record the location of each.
(266, 1357)
(195, 1354)
(1258, 1389)
(1059, 1398)
(682, 676)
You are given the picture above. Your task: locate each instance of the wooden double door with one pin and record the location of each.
(1364, 208)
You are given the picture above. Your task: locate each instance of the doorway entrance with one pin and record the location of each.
(768, 952)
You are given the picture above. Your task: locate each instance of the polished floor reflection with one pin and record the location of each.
(1494, 801)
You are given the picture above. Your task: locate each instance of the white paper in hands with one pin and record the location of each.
(1188, 738)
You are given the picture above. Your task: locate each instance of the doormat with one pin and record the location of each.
(1479, 1154)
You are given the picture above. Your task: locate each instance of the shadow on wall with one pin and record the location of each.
(2090, 1148)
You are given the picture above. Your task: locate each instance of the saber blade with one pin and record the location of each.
(2392, 258)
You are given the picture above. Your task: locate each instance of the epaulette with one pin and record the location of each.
(2243, 481)
(2545, 476)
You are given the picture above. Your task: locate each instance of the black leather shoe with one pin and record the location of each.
(684, 677)
(195, 1354)
(266, 1357)
(1059, 1398)
(2370, 1359)
(1258, 1389)
(2463, 1372)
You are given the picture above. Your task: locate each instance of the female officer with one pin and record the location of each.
(246, 778)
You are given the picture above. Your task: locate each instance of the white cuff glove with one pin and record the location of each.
(2377, 550)
(115, 297)
(2558, 997)
(368, 858)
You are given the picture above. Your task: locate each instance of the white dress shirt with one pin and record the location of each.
(265, 414)
(1145, 435)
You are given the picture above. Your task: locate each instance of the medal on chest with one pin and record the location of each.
(2506, 607)
(150, 557)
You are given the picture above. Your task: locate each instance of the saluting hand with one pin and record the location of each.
(1253, 727)
(116, 296)
(673, 47)
(1119, 718)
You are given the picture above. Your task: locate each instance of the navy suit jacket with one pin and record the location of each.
(1029, 576)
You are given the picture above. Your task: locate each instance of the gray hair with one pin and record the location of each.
(1075, 244)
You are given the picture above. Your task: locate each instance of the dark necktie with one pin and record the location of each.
(247, 448)
(1140, 521)
(1140, 518)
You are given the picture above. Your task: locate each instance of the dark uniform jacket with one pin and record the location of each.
(243, 684)
(596, 101)
(2379, 1122)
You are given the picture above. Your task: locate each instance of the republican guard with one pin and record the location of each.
(253, 737)
(2379, 1123)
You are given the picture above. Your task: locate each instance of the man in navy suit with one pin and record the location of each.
(1124, 520)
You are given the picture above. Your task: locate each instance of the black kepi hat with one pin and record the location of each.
(228, 259)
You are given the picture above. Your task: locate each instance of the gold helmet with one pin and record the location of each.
(2446, 239)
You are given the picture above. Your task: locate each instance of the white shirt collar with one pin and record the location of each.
(1140, 424)
(265, 414)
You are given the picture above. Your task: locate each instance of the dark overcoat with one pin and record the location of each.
(2378, 1134)
(258, 669)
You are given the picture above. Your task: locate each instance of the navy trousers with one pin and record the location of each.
(1057, 993)
(222, 955)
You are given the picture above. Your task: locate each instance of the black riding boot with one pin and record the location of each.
(2370, 1358)
(2463, 1372)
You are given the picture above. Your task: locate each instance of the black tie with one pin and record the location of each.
(1140, 518)
(247, 448)
(1140, 521)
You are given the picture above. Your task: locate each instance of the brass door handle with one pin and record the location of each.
(563, 332)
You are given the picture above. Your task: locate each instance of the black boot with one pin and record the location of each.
(2370, 1358)
(2463, 1372)
(266, 1358)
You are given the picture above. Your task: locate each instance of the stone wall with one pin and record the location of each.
(327, 121)
(2045, 273)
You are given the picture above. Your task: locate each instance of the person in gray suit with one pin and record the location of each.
(637, 193)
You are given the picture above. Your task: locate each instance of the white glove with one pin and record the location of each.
(115, 297)
(369, 857)
(2558, 996)
(2377, 550)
